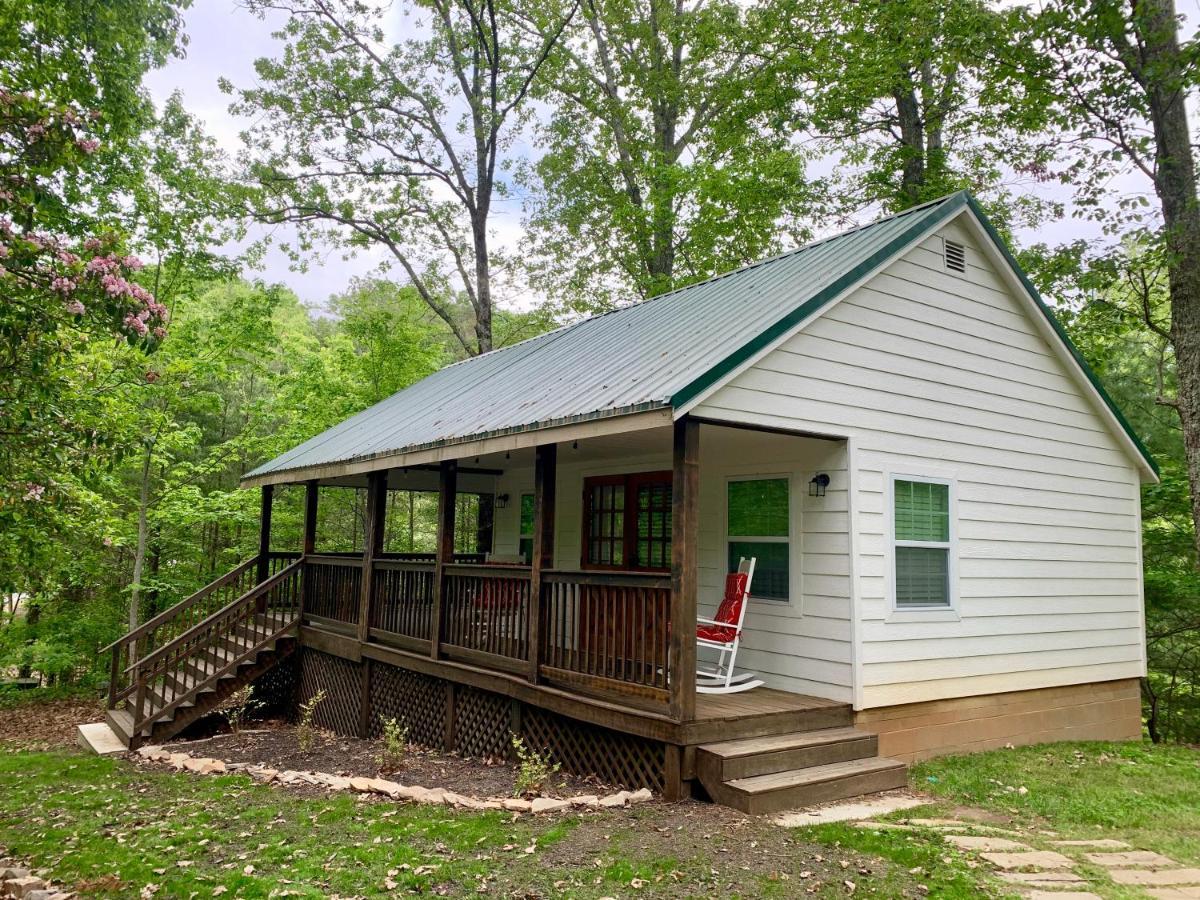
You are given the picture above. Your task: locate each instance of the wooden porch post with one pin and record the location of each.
(311, 495)
(264, 533)
(447, 495)
(372, 547)
(685, 521)
(545, 475)
(487, 519)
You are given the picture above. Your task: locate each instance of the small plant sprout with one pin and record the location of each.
(305, 733)
(239, 706)
(395, 745)
(533, 769)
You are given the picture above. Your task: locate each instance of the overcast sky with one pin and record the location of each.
(224, 41)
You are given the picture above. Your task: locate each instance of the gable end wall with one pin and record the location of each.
(933, 372)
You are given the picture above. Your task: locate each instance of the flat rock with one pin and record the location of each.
(178, 759)
(1063, 895)
(12, 872)
(1042, 879)
(1175, 893)
(264, 774)
(149, 751)
(383, 786)
(549, 804)
(880, 826)
(641, 795)
(23, 887)
(984, 842)
(1119, 860)
(1032, 859)
(433, 795)
(586, 801)
(513, 804)
(1099, 844)
(1153, 878)
(362, 785)
(202, 765)
(612, 801)
(846, 812)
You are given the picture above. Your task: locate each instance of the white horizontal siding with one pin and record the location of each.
(939, 373)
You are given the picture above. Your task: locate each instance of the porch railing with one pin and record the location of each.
(600, 633)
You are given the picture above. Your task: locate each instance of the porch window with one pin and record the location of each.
(759, 517)
(921, 511)
(627, 521)
(525, 544)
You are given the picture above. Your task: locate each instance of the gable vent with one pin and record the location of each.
(956, 256)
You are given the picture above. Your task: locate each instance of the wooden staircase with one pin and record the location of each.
(796, 769)
(203, 649)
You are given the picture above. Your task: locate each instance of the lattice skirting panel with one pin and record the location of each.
(275, 689)
(482, 724)
(341, 679)
(590, 750)
(477, 723)
(416, 701)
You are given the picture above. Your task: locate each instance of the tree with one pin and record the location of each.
(397, 147)
(667, 153)
(915, 99)
(1118, 78)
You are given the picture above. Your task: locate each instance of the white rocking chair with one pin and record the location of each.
(724, 634)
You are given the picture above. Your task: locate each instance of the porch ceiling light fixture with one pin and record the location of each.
(816, 487)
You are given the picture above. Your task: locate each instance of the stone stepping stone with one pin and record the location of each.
(957, 825)
(882, 826)
(1155, 878)
(1130, 858)
(1099, 844)
(1063, 895)
(1032, 859)
(1175, 893)
(1042, 879)
(984, 842)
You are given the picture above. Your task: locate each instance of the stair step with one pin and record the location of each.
(743, 758)
(121, 722)
(816, 784)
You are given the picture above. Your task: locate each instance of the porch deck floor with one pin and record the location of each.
(758, 702)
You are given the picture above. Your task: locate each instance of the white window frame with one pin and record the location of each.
(793, 563)
(942, 611)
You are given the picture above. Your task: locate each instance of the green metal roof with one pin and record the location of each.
(657, 354)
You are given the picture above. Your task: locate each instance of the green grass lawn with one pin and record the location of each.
(108, 827)
(1146, 795)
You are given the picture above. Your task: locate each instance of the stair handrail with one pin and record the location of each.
(186, 603)
(146, 663)
(261, 588)
(126, 646)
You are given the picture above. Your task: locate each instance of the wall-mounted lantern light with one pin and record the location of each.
(501, 501)
(816, 487)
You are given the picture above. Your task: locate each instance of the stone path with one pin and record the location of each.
(1049, 871)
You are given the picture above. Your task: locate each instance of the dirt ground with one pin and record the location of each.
(274, 744)
(28, 725)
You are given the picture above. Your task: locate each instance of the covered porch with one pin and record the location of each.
(570, 574)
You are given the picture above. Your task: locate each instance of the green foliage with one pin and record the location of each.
(305, 730)
(534, 769)
(667, 156)
(395, 745)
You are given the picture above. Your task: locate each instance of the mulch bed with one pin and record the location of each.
(274, 744)
(30, 725)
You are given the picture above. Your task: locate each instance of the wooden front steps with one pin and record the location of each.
(198, 690)
(785, 771)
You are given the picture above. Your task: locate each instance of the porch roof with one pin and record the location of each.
(652, 357)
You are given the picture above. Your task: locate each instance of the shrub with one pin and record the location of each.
(395, 745)
(533, 769)
(305, 732)
(238, 707)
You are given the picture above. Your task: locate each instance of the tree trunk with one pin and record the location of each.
(1175, 185)
(139, 556)
(912, 141)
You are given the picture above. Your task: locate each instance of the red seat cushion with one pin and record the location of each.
(728, 613)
